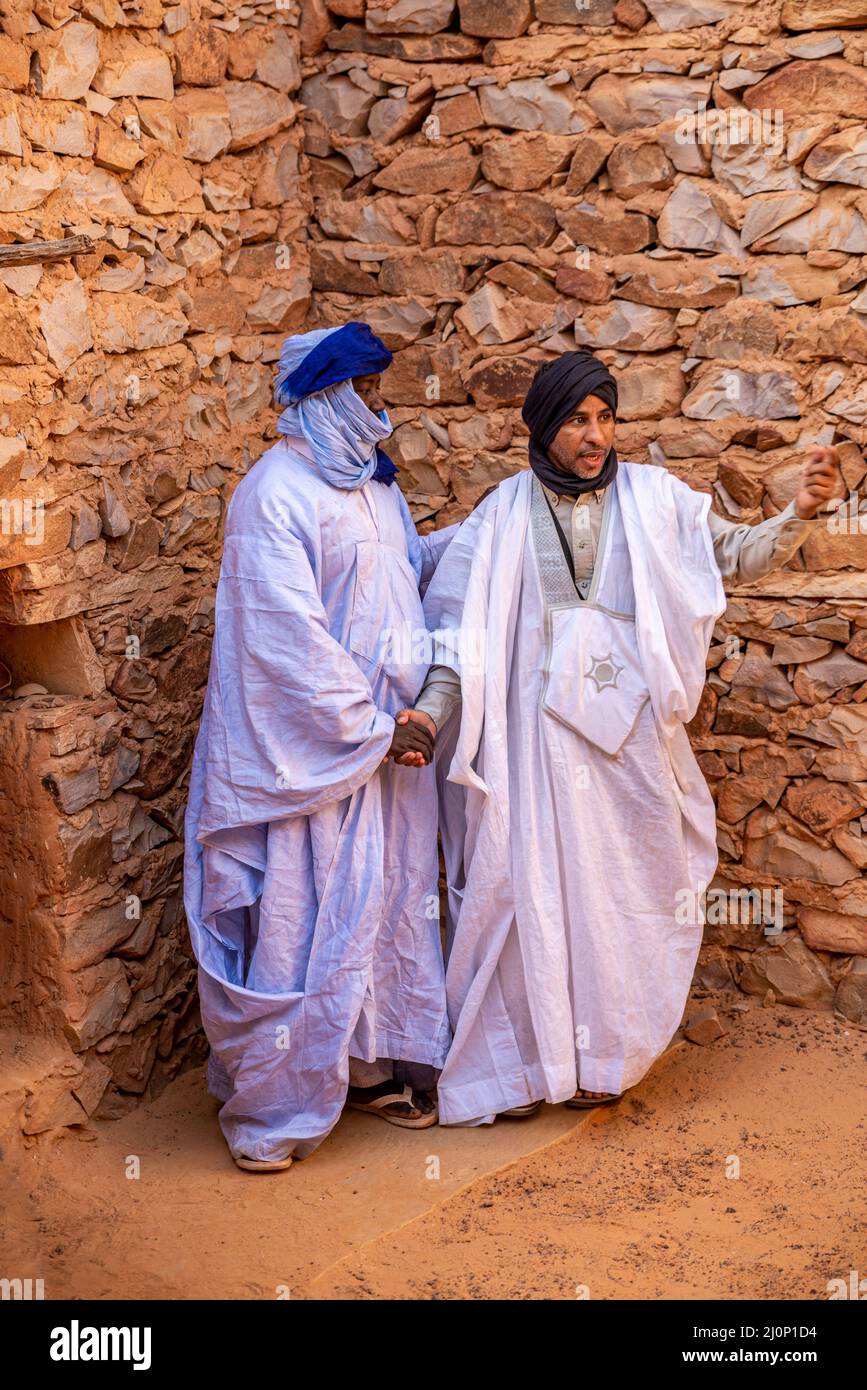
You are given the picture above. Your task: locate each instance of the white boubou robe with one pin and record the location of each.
(573, 810)
(311, 866)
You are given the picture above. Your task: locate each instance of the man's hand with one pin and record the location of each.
(413, 741)
(820, 481)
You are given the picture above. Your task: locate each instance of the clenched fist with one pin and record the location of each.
(820, 481)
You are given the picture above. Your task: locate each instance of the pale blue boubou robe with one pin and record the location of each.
(311, 874)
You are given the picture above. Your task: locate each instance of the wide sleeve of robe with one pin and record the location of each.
(425, 552)
(290, 721)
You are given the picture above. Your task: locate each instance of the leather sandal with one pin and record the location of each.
(585, 1103)
(520, 1111)
(378, 1106)
(263, 1165)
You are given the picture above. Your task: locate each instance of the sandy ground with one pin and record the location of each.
(732, 1171)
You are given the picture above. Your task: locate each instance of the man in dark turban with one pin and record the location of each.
(572, 616)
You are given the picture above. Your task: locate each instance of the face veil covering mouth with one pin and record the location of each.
(556, 392)
(314, 384)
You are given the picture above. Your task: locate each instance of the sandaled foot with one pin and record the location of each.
(519, 1111)
(263, 1165)
(585, 1100)
(401, 1106)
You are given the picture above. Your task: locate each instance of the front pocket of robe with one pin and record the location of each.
(594, 682)
(387, 628)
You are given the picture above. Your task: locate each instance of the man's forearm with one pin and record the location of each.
(745, 553)
(440, 695)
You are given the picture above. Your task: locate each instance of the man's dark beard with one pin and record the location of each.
(576, 472)
(570, 484)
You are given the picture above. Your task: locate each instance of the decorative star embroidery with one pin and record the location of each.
(603, 671)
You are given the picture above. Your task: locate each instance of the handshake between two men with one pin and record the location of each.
(414, 739)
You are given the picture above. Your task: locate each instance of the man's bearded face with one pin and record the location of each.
(582, 443)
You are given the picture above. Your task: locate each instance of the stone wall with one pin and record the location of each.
(161, 145)
(490, 182)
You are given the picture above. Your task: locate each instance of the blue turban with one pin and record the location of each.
(314, 383)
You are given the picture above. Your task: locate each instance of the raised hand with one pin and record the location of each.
(821, 480)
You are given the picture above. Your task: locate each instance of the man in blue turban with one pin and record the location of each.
(311, 870)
